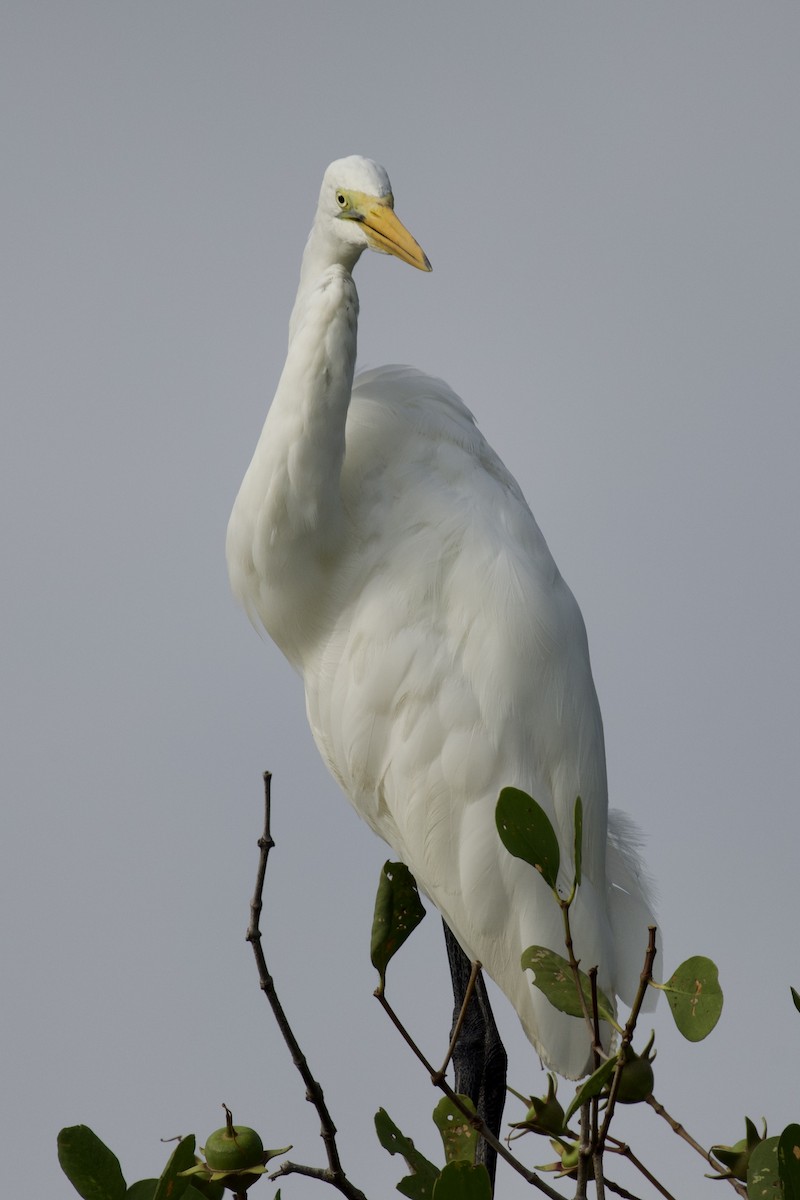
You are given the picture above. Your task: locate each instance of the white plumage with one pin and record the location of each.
(392, 557)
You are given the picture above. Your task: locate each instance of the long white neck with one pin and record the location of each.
(287, 524)
(320, 255)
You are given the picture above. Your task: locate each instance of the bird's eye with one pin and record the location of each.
(341, 199)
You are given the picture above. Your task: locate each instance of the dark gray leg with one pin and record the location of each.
(479, 1059)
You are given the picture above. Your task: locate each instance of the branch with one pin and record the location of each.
(473, 979)
(676, 1127)
(477, 1123)
(644, 981)
(334, 1173)
(625, 1151)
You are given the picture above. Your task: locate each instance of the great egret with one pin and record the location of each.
(391, 556)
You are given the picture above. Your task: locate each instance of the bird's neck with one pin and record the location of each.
(319, 257)
(287, 527)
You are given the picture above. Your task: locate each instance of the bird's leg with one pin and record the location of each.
(479, 1058)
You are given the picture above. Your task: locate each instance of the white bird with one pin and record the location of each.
(388, 552)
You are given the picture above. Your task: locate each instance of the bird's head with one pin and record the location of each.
(356, 206)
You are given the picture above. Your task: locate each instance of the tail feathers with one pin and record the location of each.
(630, 906)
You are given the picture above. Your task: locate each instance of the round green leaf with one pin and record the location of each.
(695, 997)
(526, 832)
(398, 911)
(89, 1165)
(462, 1181)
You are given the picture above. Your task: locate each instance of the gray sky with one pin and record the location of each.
(609, 196)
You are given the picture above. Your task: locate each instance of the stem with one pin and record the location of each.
(625, 1151)
(334, 1174)
(482, 1128)
(627, 1035)
(575, 965)
(475, 971)
(676, 1127)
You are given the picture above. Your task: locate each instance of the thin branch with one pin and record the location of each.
(594, 1104)
(575, 966)
(476, 1121)
(676, 1127)
(644, 981)
(475, 971)
(624, 1150)
(585, 1154)
(618, 1190)
(334, 1174)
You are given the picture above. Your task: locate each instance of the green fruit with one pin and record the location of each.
(636, 1082)
(236, 1149)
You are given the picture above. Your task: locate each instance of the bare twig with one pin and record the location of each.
(624, 1150)
(477, 1123)
(676, 1127)
(644, 981)
(618, 1190)
(473, 979)
(585, 1154)
(334, 1173)
(575, 964)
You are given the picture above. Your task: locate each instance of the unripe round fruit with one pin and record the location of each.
(234, 1153)
(636, 1082)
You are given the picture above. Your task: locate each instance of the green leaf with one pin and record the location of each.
(591, 1087)
(459, 1136)
(762, 1172)
(795, 999)
(789, 1161)
(553, 976)
(526, 832)
(89, 1165)
(418, 1186)
(398, 911)
(205, 1189)
(145, 1189)
(462, 1181)
(578, 840)
(695, 997)
(170, 1185)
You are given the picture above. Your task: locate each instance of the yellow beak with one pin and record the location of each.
(386, 233)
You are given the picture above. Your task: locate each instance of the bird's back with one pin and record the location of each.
(452, 661)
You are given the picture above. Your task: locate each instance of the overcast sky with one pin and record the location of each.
(609, 194)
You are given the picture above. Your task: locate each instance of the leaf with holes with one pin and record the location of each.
(459, 1136)
(553, 976)
(419, 1185)
(398, 911)
(527, 833)
(695, 997)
